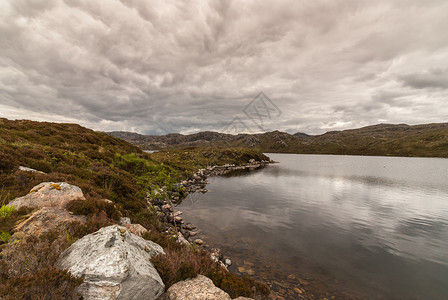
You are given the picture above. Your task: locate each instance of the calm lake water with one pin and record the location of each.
(376, 227)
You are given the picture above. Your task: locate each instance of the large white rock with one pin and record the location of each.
(49, 194)
(114, 264)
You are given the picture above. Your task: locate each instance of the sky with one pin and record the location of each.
(161, 66)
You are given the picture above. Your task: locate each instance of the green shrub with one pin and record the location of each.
(5, 236)
(6, 211)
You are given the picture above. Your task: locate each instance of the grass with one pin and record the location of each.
(104, 168)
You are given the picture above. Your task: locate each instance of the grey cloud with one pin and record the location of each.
(157, 66)
(435, 78)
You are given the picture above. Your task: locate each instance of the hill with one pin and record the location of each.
(427, 140)
(103, 167)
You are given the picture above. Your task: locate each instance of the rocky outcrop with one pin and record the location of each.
(49, 194)
(198, 288)
(26, 169)
(114, 264)
(47, 219)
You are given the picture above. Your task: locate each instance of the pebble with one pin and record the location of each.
(198, 242)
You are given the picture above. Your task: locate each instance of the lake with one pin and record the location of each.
(350, 226)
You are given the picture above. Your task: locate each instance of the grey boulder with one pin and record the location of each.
(114, 264)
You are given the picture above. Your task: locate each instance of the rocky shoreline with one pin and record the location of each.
(166, 201)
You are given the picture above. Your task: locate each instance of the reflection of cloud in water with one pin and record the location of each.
(360, 225)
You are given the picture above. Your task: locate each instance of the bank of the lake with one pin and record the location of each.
(370, 227)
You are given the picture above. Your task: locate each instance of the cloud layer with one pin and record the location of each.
(182, 66)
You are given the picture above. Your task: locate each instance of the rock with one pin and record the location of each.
(49, 194)
(243, 298)
(193, 233)
(114, 264)
(198, 288)
(216, 254)
(125, 221)
(227, 262)
(136, 229)
(26, 169)
(181, 239)
(167, 208)
(189, 226)
(47, 219)
(178, 219)
(178, 213)
(198, 242)
(245, 269)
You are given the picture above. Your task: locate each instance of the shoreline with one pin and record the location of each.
(290, 287)
(186, 233)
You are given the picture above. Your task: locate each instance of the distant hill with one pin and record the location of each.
(427, 140)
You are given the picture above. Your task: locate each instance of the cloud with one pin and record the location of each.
(434, 78)
(169, 66)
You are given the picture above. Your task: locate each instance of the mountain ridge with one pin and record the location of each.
(422, 140)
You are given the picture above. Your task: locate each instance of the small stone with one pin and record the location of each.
(189, 226)
(298, 291)
(227, 262)
(198, 242)
(193, 233)
(178, 213)
(166, 208)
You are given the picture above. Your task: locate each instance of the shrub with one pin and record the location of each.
(91, 207)
(47, 283)
(94, 223)
(183, 263)
(6, 211)
(175, 266)
(5, 236)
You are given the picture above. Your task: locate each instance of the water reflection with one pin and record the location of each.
(378, 225)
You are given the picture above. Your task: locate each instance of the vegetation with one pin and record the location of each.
(6, 211)
(428, 140)
(104, 168)
(180, 263)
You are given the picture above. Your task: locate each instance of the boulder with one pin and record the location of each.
(49, 194)
(47, 219)
(198, 288)
(114, 264)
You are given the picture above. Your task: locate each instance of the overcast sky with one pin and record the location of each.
(159, 66)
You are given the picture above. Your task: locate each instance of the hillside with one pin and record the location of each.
(427, 140)
(103, 167)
